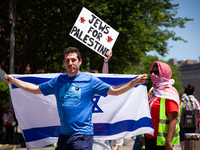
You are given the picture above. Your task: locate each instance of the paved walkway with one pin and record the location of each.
(128, 145)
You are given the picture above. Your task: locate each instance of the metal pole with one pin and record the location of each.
(12, 15)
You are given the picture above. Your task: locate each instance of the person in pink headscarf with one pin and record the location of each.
(163, 90)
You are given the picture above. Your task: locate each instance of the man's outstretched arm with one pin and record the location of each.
(29, 87)
(120, 89)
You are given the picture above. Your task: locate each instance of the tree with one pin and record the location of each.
(175, 74)
(144, 66)
(4, 94)
(43, 27)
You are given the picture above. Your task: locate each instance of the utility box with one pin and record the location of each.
(192, 141)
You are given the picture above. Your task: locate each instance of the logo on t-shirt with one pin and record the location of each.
(70, 95)
(95, 107)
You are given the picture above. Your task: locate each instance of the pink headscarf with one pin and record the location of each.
(162, 84)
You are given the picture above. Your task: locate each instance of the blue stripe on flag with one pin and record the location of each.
(111, 81)
(39, 133)
(34, 80)
(102, 129)
(116, 81)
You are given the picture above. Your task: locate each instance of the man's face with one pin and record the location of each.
(72, 64)
(155, 70)
(8, 110)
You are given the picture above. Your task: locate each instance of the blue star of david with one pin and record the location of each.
(95, 107)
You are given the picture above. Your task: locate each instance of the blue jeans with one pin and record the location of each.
(110, 142)
(75, 142)
(136, 145)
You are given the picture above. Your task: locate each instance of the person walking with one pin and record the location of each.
(189, 122)
(8, 123)
(117, 144)
(74, 92)
(164, 108)
(139, 143)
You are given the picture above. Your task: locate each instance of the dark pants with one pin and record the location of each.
(150, 144)
(75, 142)
(136, 145)
(9, 133)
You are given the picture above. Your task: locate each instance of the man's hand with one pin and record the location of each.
(141, 79)
(105, 64)
(8, 79)
(143, 141)
(109, 54)
(169, 146)
(116, 147)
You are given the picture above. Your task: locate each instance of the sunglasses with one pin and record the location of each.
(155, 72)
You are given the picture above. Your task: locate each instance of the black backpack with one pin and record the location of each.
(189, 115)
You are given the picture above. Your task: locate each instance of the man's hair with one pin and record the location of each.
(72, 50)
(189, 89)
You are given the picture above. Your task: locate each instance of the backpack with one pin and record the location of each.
(189, 115)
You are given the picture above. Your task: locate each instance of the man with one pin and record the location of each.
(74, 92)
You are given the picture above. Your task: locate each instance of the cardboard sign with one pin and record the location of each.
(93, 32)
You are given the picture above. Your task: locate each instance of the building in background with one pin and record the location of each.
(190, 73)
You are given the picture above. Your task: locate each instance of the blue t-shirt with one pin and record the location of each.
(74, 96)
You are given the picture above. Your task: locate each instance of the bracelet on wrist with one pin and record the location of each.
(105, 62)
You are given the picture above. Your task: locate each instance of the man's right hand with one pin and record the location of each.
(8, 78)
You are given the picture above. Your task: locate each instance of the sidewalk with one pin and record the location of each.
(129, 142)
(9, 147)
(128, 145)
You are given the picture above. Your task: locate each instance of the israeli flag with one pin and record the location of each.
(114, 117)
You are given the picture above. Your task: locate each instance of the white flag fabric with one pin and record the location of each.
(114, 117)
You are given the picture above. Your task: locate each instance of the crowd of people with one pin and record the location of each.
(75, 110)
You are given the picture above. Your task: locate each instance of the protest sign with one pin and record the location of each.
(93, 32)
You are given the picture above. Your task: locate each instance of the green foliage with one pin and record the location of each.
(42, 32)
(144, 66)
(175, 74)
(4, 94)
